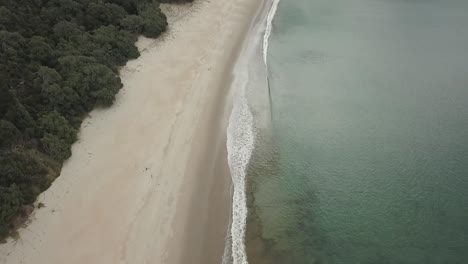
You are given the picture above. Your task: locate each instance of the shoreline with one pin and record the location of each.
(250, 76)
(213, 230)
(133, 191)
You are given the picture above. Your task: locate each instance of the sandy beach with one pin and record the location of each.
(148, 180)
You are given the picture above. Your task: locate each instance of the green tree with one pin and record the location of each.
(132, 23)
(90, 80)
(40, 50)
(18, 115)
(131, 6)
(9, 134)
(10, 202)
(62, 99)
(7, 19)
(104, 84)
(24, 171)
(48, 76)
(13, 52)
(67, 65)
(5, 95)
(62, 10)
(100, 13)
(55, 124)
(67, 30)
(114, 46)
(56, 147)
(155, 22)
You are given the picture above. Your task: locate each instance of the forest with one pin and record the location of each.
(59, 60)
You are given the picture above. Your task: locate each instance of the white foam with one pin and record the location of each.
(269, 26)
(240, 144)
(227, 255)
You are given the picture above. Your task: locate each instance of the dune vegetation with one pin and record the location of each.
(59, 60)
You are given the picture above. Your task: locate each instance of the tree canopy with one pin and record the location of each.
(58, 60)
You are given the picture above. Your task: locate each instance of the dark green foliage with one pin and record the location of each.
(65, 30)
(10, 202)
(99, 13)
(7, 19)
(114, 46)
(19, 115)
(154, 21)
(47, 76)
(58, 60)
(132, 23)
(54, 95)
(9, 134)
(26, 172)
(92, 82)
(13, 56)
(131, 6)
(55, 124)
(55, 147)
(40, 51)
(62, 10)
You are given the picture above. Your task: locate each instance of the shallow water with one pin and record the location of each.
(365, 155)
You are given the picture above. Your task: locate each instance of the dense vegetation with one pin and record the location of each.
(58, 60)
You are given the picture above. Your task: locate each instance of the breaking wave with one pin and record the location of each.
(241, 143)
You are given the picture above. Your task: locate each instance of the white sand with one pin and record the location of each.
(147, 182)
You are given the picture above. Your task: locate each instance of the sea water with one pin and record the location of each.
(359, 135)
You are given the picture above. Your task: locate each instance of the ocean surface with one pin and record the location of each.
(359, 131)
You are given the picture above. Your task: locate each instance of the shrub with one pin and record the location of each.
(132, 23)
(155, 22)
(56, 147)
(10, 202)
(55, 124)
(24, 171)
(8, 133)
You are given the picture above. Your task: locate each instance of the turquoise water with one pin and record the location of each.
(365, 156)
